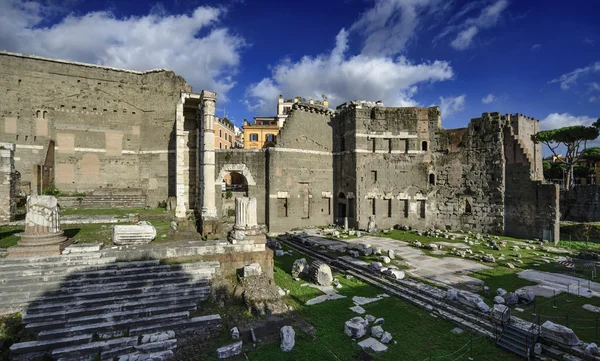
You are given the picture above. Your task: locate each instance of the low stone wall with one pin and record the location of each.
(7, 182)
(230, 256)
(581, 204)
(103, 201)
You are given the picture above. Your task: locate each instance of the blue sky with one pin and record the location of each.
(536, 57)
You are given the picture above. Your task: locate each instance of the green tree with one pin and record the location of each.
(592, 153)
(554, 170)
(574, 139)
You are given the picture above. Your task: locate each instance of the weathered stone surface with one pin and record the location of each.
(537, 349)
(261, 296)
(386, 337)
(501, 292)
(468, 299)
(395, 273)
(377, 331)
(356, 327)
(592, 349)
(229, 350)
(358, 309)
(591, 308)
(371, 228)
(235, 333)
(370, 318)
(559, 333)
(391, 254)
(500, 313)
(288, 335)
(499, 300)
(376, 267)
(141, 233)
(525, 295)
(253, 269)
(511, 299)
(372, 345)
(320, 273)
(299, 267)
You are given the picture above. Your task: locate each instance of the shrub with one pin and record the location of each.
(228, 194)
(51, 191)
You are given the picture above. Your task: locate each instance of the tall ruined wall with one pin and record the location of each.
(523, 128)
(7, 183)
(469, 191)
(112, 127)
(300, 171)
(389, 163)
(252, 165)
(581, 204)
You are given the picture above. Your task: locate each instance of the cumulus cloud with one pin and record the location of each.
(344, 77)
(556, 120)
(451, 105)
(490, 98)
(156, 40)
(569, 79)
(466, 30)
(536, 47)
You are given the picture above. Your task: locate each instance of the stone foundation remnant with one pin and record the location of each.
(42, 235)
(140, 233)
(7, 182)
(246, 227)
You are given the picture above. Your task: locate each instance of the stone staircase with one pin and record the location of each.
(518, 341)
(84, 306)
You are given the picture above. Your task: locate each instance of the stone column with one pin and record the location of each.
(180, 148)
(42, 235)
(209, 210)
(7, 182)
(246, 228)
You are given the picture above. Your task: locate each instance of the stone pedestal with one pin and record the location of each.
(42, 235)
(246, 227)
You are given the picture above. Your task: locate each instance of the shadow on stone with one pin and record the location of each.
(91, 306)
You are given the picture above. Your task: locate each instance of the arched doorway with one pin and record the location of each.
(234, 185)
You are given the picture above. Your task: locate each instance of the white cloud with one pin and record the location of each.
(156, 40)
(390, 24)
(593, 99)
(468, 29)
(451, 105)
(594, 86)
(343, 77)
(555, 120)
(569, 79)
(490, 98)
(536, 47)
(588, 41)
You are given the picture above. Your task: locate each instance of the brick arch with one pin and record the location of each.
(238, 168)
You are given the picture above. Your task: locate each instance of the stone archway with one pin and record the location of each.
(235, 168)
(234, 185)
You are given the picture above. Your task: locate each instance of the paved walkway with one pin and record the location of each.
(446, 270)
(550, 282)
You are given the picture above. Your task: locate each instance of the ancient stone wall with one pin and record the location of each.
(7, 183)
(300, 171)
(581, 204)
(112, 127)
(469, 190)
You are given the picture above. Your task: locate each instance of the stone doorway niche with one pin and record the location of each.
(234, 185)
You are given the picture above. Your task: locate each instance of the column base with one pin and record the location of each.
(210, 226)
(19, 251)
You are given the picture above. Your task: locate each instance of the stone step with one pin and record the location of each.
(143, 298)
(26, 300)
(113, 325)
(74, 289)
(48, 259)
(196, 322)
(114, 305)
(156, 356)
(80, 269)
(43, 345)
(61, 265)
(103, 317)
(94, 348)
(101, 277)
(152, 347)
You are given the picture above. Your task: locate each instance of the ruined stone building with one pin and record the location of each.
(82, 127)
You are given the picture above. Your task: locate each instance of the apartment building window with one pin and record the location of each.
(254, 137)
(270, 138)
(220, 133)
